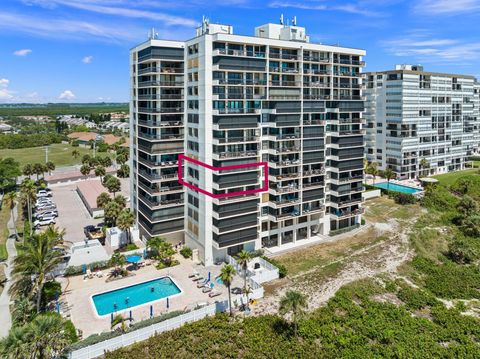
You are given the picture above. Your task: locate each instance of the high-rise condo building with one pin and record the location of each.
(420, 123)
(272, 98)
(157, 137)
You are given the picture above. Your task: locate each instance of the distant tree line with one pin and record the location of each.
(13, 141)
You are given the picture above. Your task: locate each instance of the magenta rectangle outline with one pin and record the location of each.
(182, 157)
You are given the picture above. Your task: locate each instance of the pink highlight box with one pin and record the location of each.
(182, 158)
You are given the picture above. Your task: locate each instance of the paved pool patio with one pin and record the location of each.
(76, 300)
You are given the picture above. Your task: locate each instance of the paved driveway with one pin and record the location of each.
(72, 214)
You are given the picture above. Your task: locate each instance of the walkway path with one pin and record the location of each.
(5, 297)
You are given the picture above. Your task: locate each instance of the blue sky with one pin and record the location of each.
(77, 50)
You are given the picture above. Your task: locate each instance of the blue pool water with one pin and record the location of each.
(134, 295)
(397, 187)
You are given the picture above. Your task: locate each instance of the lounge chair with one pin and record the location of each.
(206, 289)
(201, 284)
(214, 293)
(194, 274)
(89, 274)
(99, 274)
(199, 278)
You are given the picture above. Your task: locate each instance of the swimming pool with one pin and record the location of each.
(134, 295)
(397, 187)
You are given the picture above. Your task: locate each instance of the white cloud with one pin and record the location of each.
(114, 8)
(4, 82)
(66, 95)
(420, 46)
(23, 52)
(87, 59)
(69, 29)
(447, 7)
(352, 8)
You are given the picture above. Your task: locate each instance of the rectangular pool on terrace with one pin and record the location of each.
(397, 187)
(134, 295)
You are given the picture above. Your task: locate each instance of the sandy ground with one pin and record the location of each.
(319, 284)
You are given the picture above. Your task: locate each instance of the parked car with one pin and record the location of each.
(46, 207)
(44, 222)
(43, 194)
(44, 189)
(44, 199)
(50, 213)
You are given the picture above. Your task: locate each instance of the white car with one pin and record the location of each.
(43, 194)
(46, 214)
(44, 222)
(45, 207)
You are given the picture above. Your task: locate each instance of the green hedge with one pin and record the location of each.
(336, 232)
(97, 338)
(75, 270)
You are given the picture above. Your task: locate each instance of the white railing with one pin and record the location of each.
(130, 338)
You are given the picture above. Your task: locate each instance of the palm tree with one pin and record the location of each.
(86, 159)
(112, 210)
(85, 170)
(23, 311)
(119, 319)
(247, 291)
(28, 192)
(35, 260)
(366, 166)
(424, 164)
(100, 171)
(113, 185)
(105, 161)
(49, 339)
(226, 275)
(373, 170)
(50, 166)
(10, 202)
(103, 199)
(75, 154)
(121, 200)
(16, 344)
(243, 258)
(389, 174)
(38, 169)
(154, 244)
(117, 261)
(28, 170)
(125, 220)
(294, 302)
(123, 171)
(55, 234)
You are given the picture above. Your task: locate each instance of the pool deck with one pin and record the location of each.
(78, 305)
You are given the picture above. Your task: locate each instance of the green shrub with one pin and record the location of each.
(416, 298)
(464, 250)
(97, 338)
(51, 290)
(403, 198)
(186, 252)
(75, 270)
(363, 221)
(282, 270)
(71, 331)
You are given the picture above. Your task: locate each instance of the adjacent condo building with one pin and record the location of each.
(420, 123)
(274, 99)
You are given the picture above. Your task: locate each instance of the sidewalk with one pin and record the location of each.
(5, 297)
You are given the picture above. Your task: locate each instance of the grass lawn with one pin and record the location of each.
(60, 154)
(447, 179)
(4, 217)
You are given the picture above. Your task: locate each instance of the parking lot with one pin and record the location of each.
(72, 213)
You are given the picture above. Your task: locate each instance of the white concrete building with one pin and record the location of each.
(420, 123)
(275, 98)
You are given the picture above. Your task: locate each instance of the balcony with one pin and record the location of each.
(285, 83)
(223, 155)
(160, 123)
(227, 111)
(157, 176)
(232, 52)
(160, 110)
(160, 84)
(347, 213)
(286, 149)
(161, 97)
(314, 172)
(217, 141)
(161, 137)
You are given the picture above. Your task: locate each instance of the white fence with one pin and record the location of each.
(371, 194)
(130, 338)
